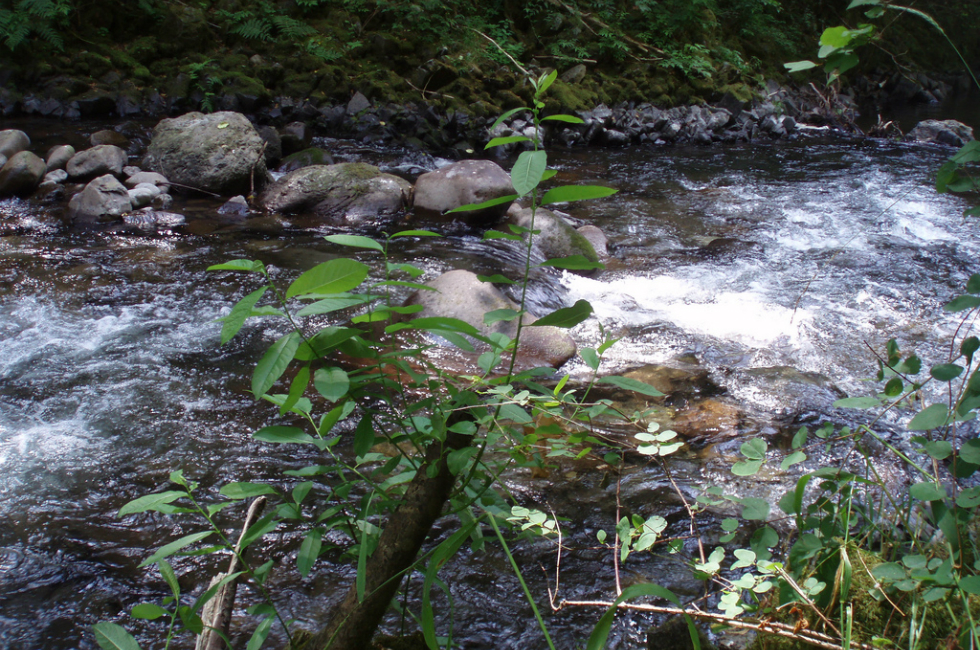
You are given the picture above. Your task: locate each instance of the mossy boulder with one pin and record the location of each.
(556, 237)
(346, 193)
(305, 158)
(220, 152)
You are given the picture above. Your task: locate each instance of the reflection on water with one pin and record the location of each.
(770, 268)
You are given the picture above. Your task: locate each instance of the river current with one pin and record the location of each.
(773, 268)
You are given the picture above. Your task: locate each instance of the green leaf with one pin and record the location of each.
(341, 301)
(260, 634)
(946, 371)
(296, 389)
(590, 357)
(570, 119)
(573, 263)
(497, 315)
(938, 449)
(528, 170)
(495, 279)
(496, 142)
(174, 546)
(970, 451)
(800, 66)
(148, 612)
(246, 490)
(415, 233)
(544, 82)
(927, 492)
(857, 403)
(331, 383)
(309, 550)
(364, 436)
(889, 572)
(566, 317)
(836, 37)
(169, 577)
(150, 502)
(282, 434)
(251, 266)
(755, 509)
(630, 384)
(242, 310)
(746, 467)
(962, 303)
(792, 459)
(932, 417)
(355, 241)
(863, 3)
(110, 636)
(457, 459)
(567, 193)
(274, 362)
(258, 529)
(324, 342)
(505, 115)
(754, 449)
(334, 276)
(970, 584)
(473, 207)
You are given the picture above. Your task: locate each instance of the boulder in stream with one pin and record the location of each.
(220, 152)
(98, 161)
(13, 141)
(556, 237)
(463, 183)
(948, 132)
(460, 294)
(21, 174)
(346, 192)
(103, 199)
(59, 156)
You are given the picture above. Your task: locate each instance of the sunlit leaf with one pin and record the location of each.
(331, 383)
(567, 193)
(110, 636)
(174, 546)
(355, 241)
(631, 384)
(333, 276)
(274, 362)
(150, 502)
(528, 170)
(280, 434)
(573, 263)
(566, 317)
(309, 550)
(932, 417)
(473, 207)
(496, 142)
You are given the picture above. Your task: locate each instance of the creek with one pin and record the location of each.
(773, 269)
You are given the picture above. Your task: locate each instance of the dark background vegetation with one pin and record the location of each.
(667, 52)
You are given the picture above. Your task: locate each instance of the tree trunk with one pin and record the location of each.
(354, 623)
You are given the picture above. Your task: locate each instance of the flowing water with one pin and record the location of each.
(770, 268)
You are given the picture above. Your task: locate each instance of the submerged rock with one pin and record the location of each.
(351, 192)
(463, 183)
(220, 152)
(460, 294)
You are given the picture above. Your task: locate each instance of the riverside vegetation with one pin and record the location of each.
(211, 54)
(870, 565)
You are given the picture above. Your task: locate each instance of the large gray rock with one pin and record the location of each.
(948, 132)
(59, 156)
(13, 141)
(98, 161)
(220, 152)
(557, 238)
(463, 183)
(103, 199)
(459, 294)
(21, 174)
(348, 192)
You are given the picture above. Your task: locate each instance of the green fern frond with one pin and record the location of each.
(291, 28)
(254, 29)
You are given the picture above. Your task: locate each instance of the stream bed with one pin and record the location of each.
(772, 268)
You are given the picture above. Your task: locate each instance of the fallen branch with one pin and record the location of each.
(809, 637)
(217, 611)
